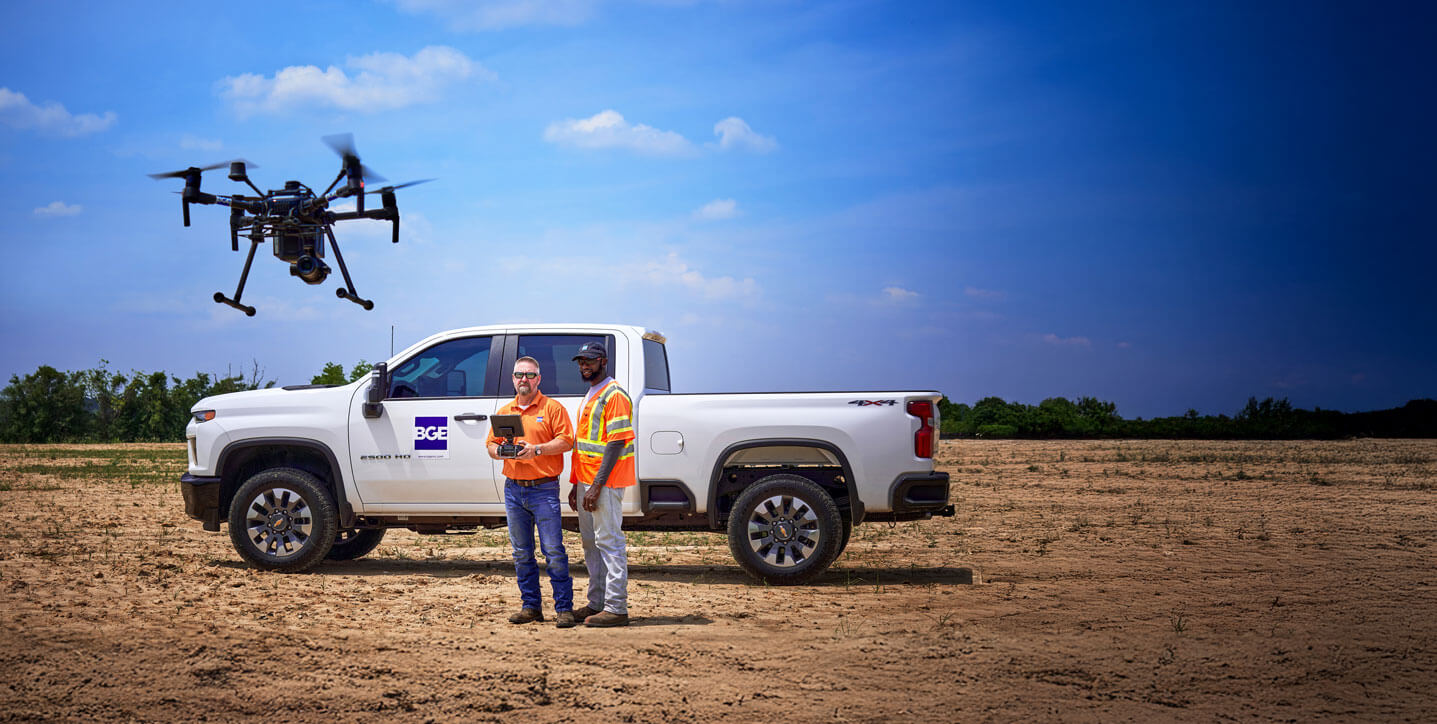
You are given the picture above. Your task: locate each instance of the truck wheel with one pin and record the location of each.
(282, 519)
(784, 530)
(350, 543)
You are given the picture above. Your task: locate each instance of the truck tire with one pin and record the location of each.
(350, 544)
(282, 519)
(784, 530)
(845, 532)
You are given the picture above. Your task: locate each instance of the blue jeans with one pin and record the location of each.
(526, 508)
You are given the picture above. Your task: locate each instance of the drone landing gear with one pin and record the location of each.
(222, 299)
(343, 294)
(348, 292)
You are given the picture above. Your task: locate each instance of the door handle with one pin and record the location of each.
(470, 416)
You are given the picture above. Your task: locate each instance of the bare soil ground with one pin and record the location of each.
(1080, 581)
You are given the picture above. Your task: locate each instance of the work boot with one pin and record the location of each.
(582, 613)
(525, 615)
(564, 619)
(604, 619)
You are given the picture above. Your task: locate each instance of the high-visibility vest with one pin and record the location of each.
(607, 416)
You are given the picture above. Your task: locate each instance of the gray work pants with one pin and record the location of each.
(605, 550)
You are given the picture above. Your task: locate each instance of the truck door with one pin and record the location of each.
(561, 381)
(427, 452)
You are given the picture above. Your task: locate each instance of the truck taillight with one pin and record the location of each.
(923, 439)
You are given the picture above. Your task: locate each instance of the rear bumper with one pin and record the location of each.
(202, 499)
(919, 493)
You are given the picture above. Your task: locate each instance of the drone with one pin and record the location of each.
(295, 218)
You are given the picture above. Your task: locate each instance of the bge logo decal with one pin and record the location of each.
(431, 433)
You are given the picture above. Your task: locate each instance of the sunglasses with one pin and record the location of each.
(526, 375)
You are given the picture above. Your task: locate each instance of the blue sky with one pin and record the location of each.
(1166, 205)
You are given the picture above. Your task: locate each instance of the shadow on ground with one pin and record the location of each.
(847, 576)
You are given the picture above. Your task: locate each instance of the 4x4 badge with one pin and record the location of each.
(866, 403)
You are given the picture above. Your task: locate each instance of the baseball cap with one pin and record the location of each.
(592, 350)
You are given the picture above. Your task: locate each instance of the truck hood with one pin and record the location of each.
(278, 399)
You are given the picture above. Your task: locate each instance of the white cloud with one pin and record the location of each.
(898, 295)
(500, 14)
(195, 143)
(734, 134)
(59, 208)
(988, 294)
(608, 129)
(1057, 341)
(717, 209)
(672, 270)
(885, 301)
(380, 81)
(17, 111)
(633, 275)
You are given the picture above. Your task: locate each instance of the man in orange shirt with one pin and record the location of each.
(602, 468)
(531, 495)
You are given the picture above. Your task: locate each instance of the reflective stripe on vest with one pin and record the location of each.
(593, 449)
(591, 442)
(596, 413)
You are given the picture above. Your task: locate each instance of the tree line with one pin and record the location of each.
(1270, 419)
(99, 405)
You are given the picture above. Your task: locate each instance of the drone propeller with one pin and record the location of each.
(185, 173)
(400, 186)
(353, 172)
(343, 144)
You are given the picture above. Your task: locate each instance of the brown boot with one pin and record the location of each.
(565, 619)
(582, 613)
(604, 619)
(525, 615)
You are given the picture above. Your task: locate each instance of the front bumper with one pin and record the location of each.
(202, 499)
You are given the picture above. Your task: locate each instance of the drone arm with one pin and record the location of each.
(193, 195)
(342, 192)
(381, 214)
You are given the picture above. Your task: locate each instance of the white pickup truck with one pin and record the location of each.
(306, 473)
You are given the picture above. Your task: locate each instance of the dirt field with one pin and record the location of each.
(1080, 581)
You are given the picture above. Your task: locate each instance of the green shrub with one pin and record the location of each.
(999, 431)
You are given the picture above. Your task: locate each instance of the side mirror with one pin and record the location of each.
(378, 385)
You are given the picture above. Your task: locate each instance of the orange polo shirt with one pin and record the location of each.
(544, 420)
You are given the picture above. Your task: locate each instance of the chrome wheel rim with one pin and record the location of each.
(783, 531)
(279, 522)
